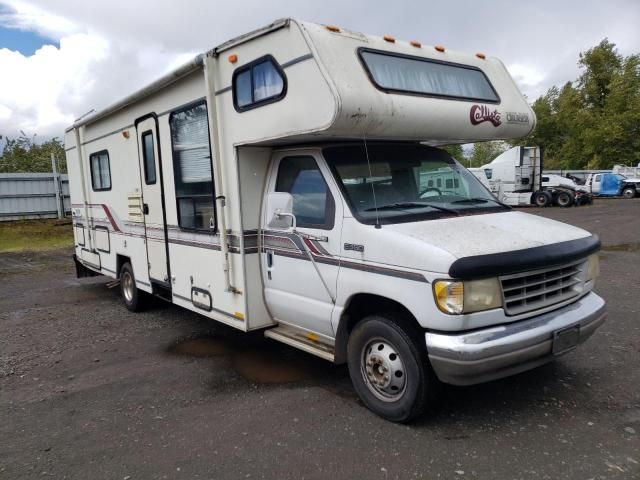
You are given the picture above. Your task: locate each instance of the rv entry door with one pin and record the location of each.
(155, 223)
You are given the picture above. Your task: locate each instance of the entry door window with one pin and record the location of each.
(149, 158)
(313, 204)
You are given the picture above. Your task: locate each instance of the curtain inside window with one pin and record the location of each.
(267, 81)
(412, 75)
(190, 134)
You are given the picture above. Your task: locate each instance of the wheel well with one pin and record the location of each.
(362, 305)
(120, 261)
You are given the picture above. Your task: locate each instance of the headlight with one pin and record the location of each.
(456, 297)
(449, 296)
(593, 267)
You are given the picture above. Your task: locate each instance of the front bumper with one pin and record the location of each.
(496, 352)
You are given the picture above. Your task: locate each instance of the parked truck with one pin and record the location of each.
(516, 178)
(612, 185)
(288, 181)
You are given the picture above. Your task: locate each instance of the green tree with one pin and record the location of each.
(456, 152)
(485, 152)
(593, 122)
(24, 154)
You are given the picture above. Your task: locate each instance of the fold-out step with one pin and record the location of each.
(302, 340)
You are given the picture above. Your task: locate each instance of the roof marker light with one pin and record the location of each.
(481, 55)
(439, 48)
(332, 28)
(389, 38)
(233, 58)
(416, 43)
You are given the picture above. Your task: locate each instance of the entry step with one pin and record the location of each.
(303, 340)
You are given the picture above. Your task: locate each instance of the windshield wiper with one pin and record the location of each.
(404, 205)
(480, 200)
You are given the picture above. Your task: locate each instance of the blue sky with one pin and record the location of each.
(23, 41)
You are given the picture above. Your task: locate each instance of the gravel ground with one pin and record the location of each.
(89, 390)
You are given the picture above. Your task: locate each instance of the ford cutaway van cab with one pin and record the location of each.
(290, 181)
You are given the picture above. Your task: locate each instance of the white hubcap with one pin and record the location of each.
(383, 370)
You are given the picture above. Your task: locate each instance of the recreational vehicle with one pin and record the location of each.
(287, 181)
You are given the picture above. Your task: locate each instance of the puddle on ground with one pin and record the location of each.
(267, 366)
(260, 364)
(202, 347)
(623, 247)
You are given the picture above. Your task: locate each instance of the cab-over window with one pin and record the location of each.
(258, 83)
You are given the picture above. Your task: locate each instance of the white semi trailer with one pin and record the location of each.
(287, 181)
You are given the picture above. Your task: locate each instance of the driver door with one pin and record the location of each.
(294, 292)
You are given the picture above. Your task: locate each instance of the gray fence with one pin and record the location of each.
(33, 195)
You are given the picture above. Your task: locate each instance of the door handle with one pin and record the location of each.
(145, 208)
(269, 264)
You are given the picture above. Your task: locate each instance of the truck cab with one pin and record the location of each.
(612, 184)
(482, 290)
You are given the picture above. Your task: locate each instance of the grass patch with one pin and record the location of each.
(35, 235)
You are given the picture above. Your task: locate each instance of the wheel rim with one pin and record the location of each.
(383, 370)
(127, 286)
(628, 193)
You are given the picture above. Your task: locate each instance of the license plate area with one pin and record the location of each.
(565, 340)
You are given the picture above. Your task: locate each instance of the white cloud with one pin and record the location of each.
(528, 79)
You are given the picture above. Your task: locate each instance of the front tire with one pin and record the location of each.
(132, 297)
(541, 199)
(389, 368)
(629, 192)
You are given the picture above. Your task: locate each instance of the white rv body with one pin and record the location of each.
(229, 253)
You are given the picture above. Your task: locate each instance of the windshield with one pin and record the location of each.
(405, 183)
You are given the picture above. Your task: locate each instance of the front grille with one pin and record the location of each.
(534, 290)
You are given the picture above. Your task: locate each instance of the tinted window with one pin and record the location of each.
(407, 74)
(192, 167)
(100, 171)
(258, 83)
(312, 202)
(148, 158)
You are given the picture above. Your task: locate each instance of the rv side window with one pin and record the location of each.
(258, 83)
(192, 168)
(100, 171)
(148, 157)
(312, 202)
(394, 72)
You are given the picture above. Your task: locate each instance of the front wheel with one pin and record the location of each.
(541, 199)
(390, 369)
(629, 192)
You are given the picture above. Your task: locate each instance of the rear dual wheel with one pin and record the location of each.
(389, 368)
(565, 199)
(134, 298)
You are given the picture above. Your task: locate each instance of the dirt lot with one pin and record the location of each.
(91, 391)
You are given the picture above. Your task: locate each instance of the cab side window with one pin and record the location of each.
(313, 204)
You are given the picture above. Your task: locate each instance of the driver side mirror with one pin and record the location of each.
(280, 211)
